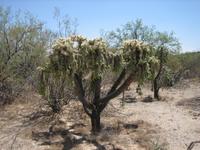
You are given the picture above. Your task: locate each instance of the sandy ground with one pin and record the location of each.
(169, 124)
(177, 126)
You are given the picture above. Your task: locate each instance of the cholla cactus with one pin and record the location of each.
(82, 59)
(137, 58)
(135, 49)
(82, 55)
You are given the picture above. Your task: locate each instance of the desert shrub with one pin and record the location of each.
(23, 45)
(55, 91)
(190, 64)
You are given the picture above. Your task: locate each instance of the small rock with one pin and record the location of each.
(71, 130)
(130, 126)
(76, 137)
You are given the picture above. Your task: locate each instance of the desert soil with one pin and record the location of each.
(172, 123)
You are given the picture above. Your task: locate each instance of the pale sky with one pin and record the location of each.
(180, 16)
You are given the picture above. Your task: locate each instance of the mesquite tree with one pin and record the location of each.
(23, 44)
(85, 63)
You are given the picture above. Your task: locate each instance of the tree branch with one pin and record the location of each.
(104, 101)
(81, 94)
(161, 64)
(7, 41)
(97, 89)
(118, 81)
(190, 147)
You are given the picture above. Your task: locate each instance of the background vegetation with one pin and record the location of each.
(25, 44)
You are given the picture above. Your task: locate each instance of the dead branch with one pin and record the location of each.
(190, 147)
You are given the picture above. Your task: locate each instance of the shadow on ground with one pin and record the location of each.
(68, 139)
(191, 103)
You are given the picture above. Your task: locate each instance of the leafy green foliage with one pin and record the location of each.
(130, 30)
(23, 44)
(186, 64)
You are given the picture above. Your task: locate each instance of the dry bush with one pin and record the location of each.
(5, 94)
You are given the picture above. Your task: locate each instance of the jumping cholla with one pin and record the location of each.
(81, 59)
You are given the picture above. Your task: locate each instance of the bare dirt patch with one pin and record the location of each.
(134, 124)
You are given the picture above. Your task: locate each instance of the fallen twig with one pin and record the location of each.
(192, 145)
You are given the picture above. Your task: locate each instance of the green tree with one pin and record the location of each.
(23, 44)
(131, 30)
(85, 63)
(65, 25)
(189, 64)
